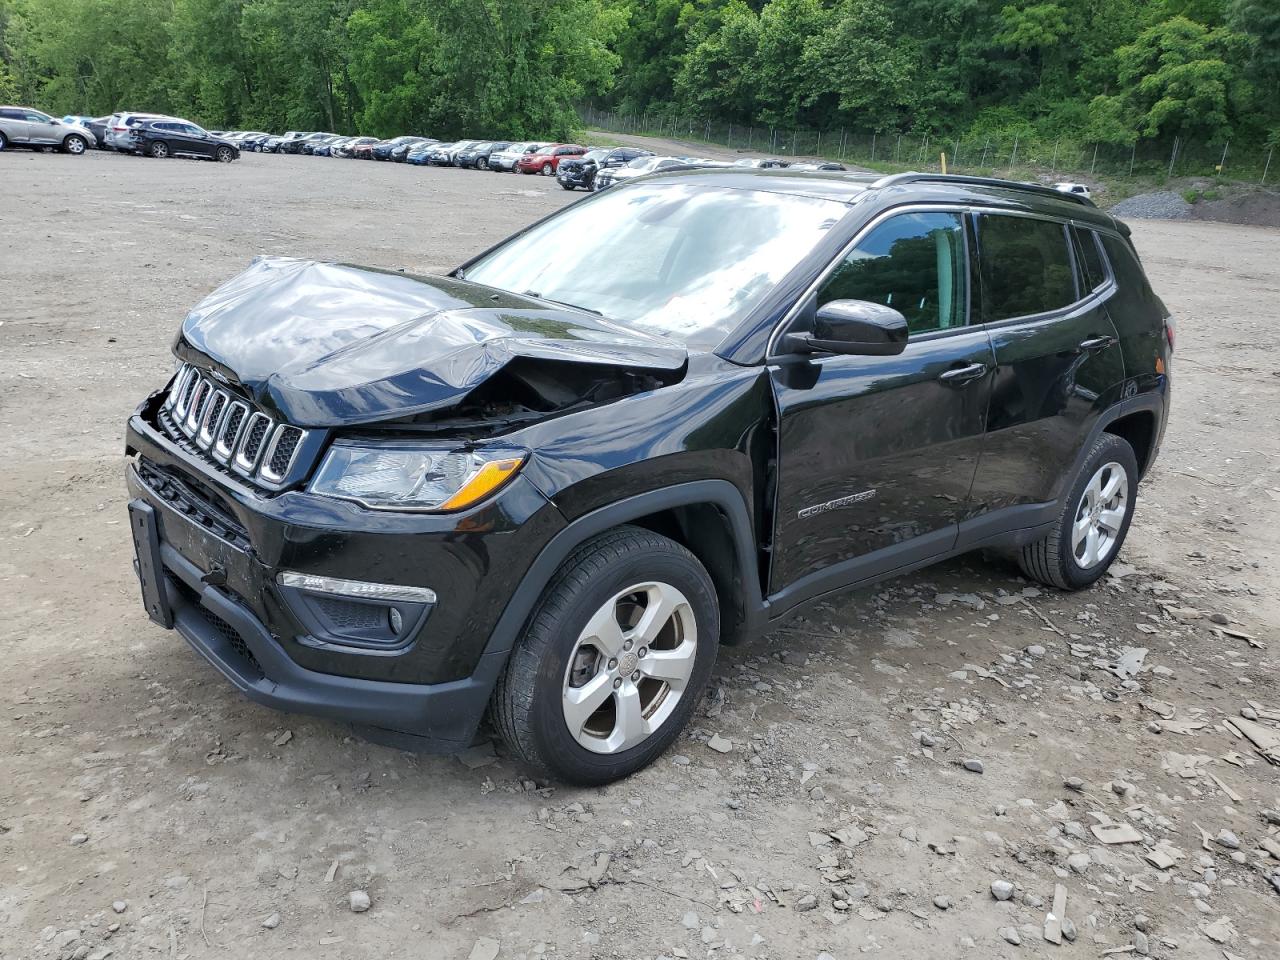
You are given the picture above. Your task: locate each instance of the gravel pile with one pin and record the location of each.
(1163, 205)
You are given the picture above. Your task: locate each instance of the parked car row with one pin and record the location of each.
(147, 134)
(574, 166)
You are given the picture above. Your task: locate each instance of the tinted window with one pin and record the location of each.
(33, 117)
(10, 114)
(1026, 266)
(914, 263)
(1095, 273)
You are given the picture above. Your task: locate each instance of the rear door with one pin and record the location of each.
(14, 124)
(1058, 359)
(199, 143)
(876, 455)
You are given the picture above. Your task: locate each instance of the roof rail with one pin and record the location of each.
(896, 179)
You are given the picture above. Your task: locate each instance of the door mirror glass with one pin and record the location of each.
(856, 327)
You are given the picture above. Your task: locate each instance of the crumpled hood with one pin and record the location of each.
(325, 344)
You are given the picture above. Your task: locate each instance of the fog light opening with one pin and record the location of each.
(395, 620)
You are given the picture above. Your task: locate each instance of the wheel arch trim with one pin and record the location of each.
(1150, 402)
(721, 494)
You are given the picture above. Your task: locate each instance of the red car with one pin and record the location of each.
(546, 160)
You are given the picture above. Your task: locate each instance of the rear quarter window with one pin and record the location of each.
(1095, 270)
(1026, 266)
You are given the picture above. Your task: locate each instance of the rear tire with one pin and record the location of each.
(589, 641)
(159, 150)
(1094, 521)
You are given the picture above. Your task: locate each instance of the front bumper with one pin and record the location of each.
(441, 717)
(222, 544)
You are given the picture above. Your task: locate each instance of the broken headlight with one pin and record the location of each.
(404, 476)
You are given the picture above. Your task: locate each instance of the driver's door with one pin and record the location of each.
(42, 128)
(877, 454)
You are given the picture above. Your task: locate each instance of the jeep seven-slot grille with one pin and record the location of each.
(225, 428)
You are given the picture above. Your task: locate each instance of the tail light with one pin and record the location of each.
(1170, 332)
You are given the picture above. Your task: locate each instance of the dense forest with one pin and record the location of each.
(1118, 71)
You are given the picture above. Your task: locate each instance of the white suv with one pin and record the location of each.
(24, 127)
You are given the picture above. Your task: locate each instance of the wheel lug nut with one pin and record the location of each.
(613, 664)
(635, 677)
(626, 645)
(617, 683)
(644, 651)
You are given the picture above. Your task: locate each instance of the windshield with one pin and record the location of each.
(678, 260)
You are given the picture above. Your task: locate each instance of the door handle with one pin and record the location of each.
(960, 376)
(1098, 343)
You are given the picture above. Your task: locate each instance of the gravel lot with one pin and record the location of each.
(146, 810)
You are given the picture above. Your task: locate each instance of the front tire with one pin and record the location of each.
(482, 163)
(225, 155)
(1094, 521)
(75, 145)
(547, 170)
(614, 660)
(4, 141)
(159, 150)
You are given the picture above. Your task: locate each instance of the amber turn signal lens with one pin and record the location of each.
(488, 479)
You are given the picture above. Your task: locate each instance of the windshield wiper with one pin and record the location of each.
(562, 303)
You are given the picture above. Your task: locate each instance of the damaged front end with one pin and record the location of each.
(322, 345)
(527, 391)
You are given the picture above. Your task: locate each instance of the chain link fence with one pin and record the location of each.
(1064, 156)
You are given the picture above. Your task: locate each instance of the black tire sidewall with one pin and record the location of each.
(151, 150)
(1109, 448)
(554, 743)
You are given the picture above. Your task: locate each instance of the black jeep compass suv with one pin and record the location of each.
(546, 487)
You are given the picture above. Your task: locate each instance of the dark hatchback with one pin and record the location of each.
(384, 149)
(546, 487)
(580, 172)
(180, 138)
(477, 157)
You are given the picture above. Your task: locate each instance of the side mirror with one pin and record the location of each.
(856, 327)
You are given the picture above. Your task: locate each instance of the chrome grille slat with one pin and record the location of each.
(255, 436)
(212, 419)
(191, 422)
(228, 430)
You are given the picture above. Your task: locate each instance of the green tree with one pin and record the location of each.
(1180, 77)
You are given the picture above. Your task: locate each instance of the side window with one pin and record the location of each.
(915, 263)
(36, 118)
(1026, 266)
(1095, 271)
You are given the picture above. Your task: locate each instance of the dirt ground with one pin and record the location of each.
(147, 810)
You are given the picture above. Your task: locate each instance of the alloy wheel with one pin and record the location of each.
(75, 146)
(630, 667)
(1100, 516)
